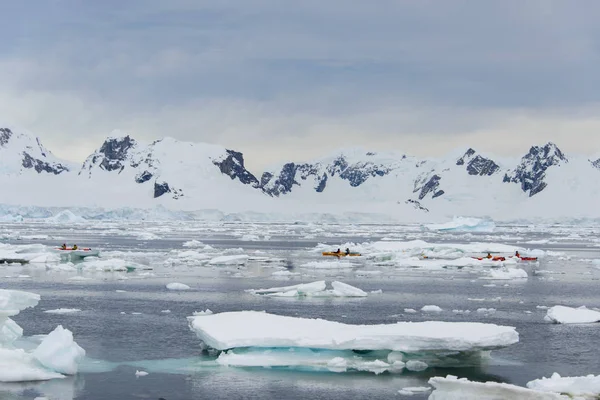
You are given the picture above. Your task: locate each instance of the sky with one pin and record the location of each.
(284, 80)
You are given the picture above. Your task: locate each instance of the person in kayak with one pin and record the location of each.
(74, 247)
(63, 247)
(489, 255)
(517, 254)
(347, 251)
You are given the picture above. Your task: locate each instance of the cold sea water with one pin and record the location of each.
(123, 324)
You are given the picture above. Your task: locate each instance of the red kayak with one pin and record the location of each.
(528, 258)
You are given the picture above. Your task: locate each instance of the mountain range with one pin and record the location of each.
(542, 182)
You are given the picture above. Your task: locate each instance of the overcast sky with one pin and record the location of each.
(284, 80)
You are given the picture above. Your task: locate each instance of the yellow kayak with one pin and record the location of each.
(342, 254)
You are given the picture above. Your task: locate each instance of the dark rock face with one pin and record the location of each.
(531, 171)
(143, 177)
(431, 186)
(5, 135)
(322, 183)
(596, 164)
(358, 173)
(468, 154)
(233, 166)
(283, 184)
(482, 166)
(161, 188)
(114, 153)
(42, 166)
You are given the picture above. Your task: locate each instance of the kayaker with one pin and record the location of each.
(489, 255)
(517, 254)
(337, 251)
(347, 251)
(74, 247)
(63, 247)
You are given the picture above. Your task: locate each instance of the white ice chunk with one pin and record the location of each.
(140, 373)
(464, 224)
(431, 309)
(238, 259)
(452, 388)
(345, 290)
(317, 289)
(177, 286)
(258, 329)
(506, 274)
(586, 386)
(193, 244)
(412, 390)
(59, 352)
(416, 365)
(569, 315)
(63, 311)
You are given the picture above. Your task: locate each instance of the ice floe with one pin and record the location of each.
(570, 315)
(583, 386)
(56, 355)
(453, 388)
(229, 330)
(431, 309)
(412, 390)
(63, 311)
(177, 286)
(238, 259)
(316, 289)
(467, 224)
(506, 274)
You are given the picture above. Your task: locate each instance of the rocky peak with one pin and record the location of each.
(469, 153)
(477, 165)
(115, 152)
(5, 134)
(428, 184)
(530, 173)
(233, 166)
(595, 164)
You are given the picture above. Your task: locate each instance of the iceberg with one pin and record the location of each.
(177, 286)
(316, 289)
(57, 355)
(585, 386)
(453, 388)
(241, 329)
(569, 315)
(464, 224)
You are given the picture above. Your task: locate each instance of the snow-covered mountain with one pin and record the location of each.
(123, 172)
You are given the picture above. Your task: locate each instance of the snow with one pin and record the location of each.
(258, 329)
(316, 289)
(63, 311)
(569, 315)
(141, 373)
(56, 355)
(431, 309)
(459, 224)
(586, 386)
(147, 236)
(177, 286)
(453, 388)
(193, 244)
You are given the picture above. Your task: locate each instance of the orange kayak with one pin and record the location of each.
(497, 258)
(342, 254)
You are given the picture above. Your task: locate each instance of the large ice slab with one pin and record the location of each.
(258, 329)
(585, 386)
(58, 352)
(452, 388)
(569, 315)
(315, 289)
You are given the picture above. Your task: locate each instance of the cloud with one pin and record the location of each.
(283, 81)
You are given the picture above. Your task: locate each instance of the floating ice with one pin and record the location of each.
(147, 236)
(66, 217)
(452, 388)
(316, 289)
(285, 273)
(336, 264)
(464, 224)
(193, 244)
(431, 309)
(63, 311)
(258, 329)
(569, 315)
(585, 386)
(141, 373)
(416, 365)
(59, 352)
(412, 390)
(177, 286)
(56, 355)
(238, 259)
(506, 274)
(111, 264)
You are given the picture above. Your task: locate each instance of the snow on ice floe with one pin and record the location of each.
(464, 224)
(146, 236)
(315, 289)
(259, 329)
(431, 309)
(583, 386)
(453, 388)
(193, 244)
(412, 390)
(177, 286)
(569, 315)
(56, 355)
(110, 264)
(328, 265)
